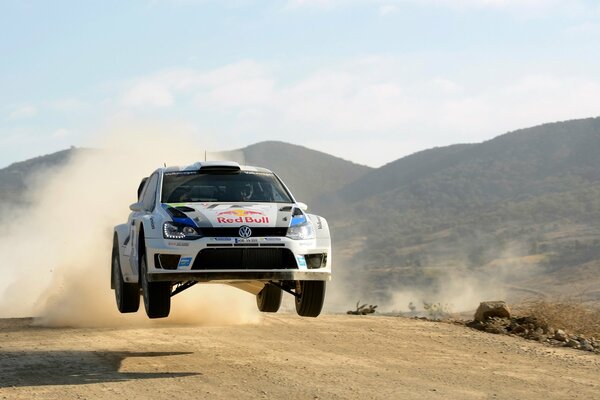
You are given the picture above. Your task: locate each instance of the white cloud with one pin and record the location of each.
(386, 7)
(60, 133)
(366, 102)
(23, 112)
(14, 139)
(495, 3)
(340, 101)
(586, 30)
(445, 85)
(324, 4)
(148, 94)
(66, 105)
(543, 98)
(236, 84)
(531, 100)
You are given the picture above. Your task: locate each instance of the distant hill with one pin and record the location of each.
(396, 174)
(516, 164)
(308, 173)
(14, 178)
(531, 196)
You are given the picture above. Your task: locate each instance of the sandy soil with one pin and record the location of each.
(284, 356)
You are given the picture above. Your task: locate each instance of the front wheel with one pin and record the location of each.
(157, 295)
(310, 299)
(126, 294)
(269, 298)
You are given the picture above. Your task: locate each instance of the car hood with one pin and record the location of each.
(227, 215)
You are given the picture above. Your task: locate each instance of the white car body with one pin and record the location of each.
(222, 252)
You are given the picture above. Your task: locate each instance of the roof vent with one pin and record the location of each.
(208, 166)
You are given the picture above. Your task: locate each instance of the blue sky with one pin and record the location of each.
(366, 80)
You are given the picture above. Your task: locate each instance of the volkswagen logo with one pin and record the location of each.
(245, 231)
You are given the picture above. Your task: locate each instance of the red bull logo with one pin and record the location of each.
(242, 216)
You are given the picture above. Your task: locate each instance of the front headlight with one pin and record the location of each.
(174, 230)
(304, 230)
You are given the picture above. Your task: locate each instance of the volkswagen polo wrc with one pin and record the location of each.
(219, 222)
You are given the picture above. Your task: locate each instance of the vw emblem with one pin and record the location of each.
(245, 231)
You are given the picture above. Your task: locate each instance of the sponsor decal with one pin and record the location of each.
(319, 223)
(184, 262)
(261, 173)
(222, 239)
(272, 239)
(185, 221)
(298, 220)
(178, 244)
(152, 223)
(242, 216)
(240, 212)
(298, 217)
(172, 173)
(178, 215)
(301, 261)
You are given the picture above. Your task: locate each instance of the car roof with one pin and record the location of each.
(214, 165)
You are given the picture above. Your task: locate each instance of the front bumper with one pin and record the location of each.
(220, 276)
(193, 264)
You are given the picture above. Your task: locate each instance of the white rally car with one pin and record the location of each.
(219, 222)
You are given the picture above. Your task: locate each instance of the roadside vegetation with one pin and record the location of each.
(570, 315)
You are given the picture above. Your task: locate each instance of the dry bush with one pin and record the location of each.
(571, 316)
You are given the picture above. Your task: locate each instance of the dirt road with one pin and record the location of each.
(284, 356)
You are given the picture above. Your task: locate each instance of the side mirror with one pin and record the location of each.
(136, 207)
(302, 206)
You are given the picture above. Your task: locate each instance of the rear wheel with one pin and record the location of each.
(157, 295)
(127, 295)
(310, 299)
(269, 299)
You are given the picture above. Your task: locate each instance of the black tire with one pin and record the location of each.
(157, 295)
(127, 295)
(311, 296)
(269, 299)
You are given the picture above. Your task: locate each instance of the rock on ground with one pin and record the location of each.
(488, 309)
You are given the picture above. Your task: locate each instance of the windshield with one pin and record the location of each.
(243, 186)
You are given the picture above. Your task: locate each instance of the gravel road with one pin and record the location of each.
(284, 356)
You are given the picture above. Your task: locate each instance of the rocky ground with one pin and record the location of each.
(532, 328)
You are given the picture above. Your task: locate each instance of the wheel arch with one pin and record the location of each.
(121, 232)
(141, 245)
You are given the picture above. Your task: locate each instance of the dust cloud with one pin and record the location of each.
(56, 252)
(454, 289)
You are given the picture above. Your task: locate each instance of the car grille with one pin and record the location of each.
(246, 258)
(235, 232)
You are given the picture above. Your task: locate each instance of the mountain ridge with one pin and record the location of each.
(527, 197)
